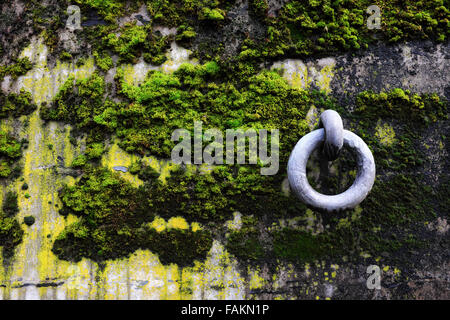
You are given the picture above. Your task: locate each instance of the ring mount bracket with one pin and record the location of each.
(350, 198)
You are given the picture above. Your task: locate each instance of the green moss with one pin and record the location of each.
(65, 56)
(185, 34)
(10, 235)
(175, 13)
(300, 28)
(10, 152)
(9, 147)
(156, 48)
(19, 68)
(114, 222)
(135, 167)
(109, 9)
(10, 231)
(179, 246)
(231, 95)
(115, 217)
(147, 173)
(108, 204)
(78, 103)
(103, 61)
(195, 197)
(308, 28)
(166, 102)
(414, 111)
(10, 206)
(399, 203)
(150, 112)
(128, 43)
(16, 105)
(402, 105)
(94, 151)
(79, 161)
(47, 19)
(166, 12)
(299, 246)
(85, 104)
(259, 8)
(81, 61)
(399, 200)
(97, 193)
(211, 14)
(245, 243)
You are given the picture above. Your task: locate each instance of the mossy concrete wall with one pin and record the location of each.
(36, 273)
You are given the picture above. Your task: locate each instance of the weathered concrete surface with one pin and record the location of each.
(35, 273)
(418, 66)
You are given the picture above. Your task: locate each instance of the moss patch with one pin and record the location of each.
(16, 105)
(321, 26)
(166, 102)
(10, 206)
(245, 243)
(10, 231)
(135, 40)
(116, 220)
(19, 68)
(10, 152)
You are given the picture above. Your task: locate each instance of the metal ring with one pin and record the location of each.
(348, 199)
